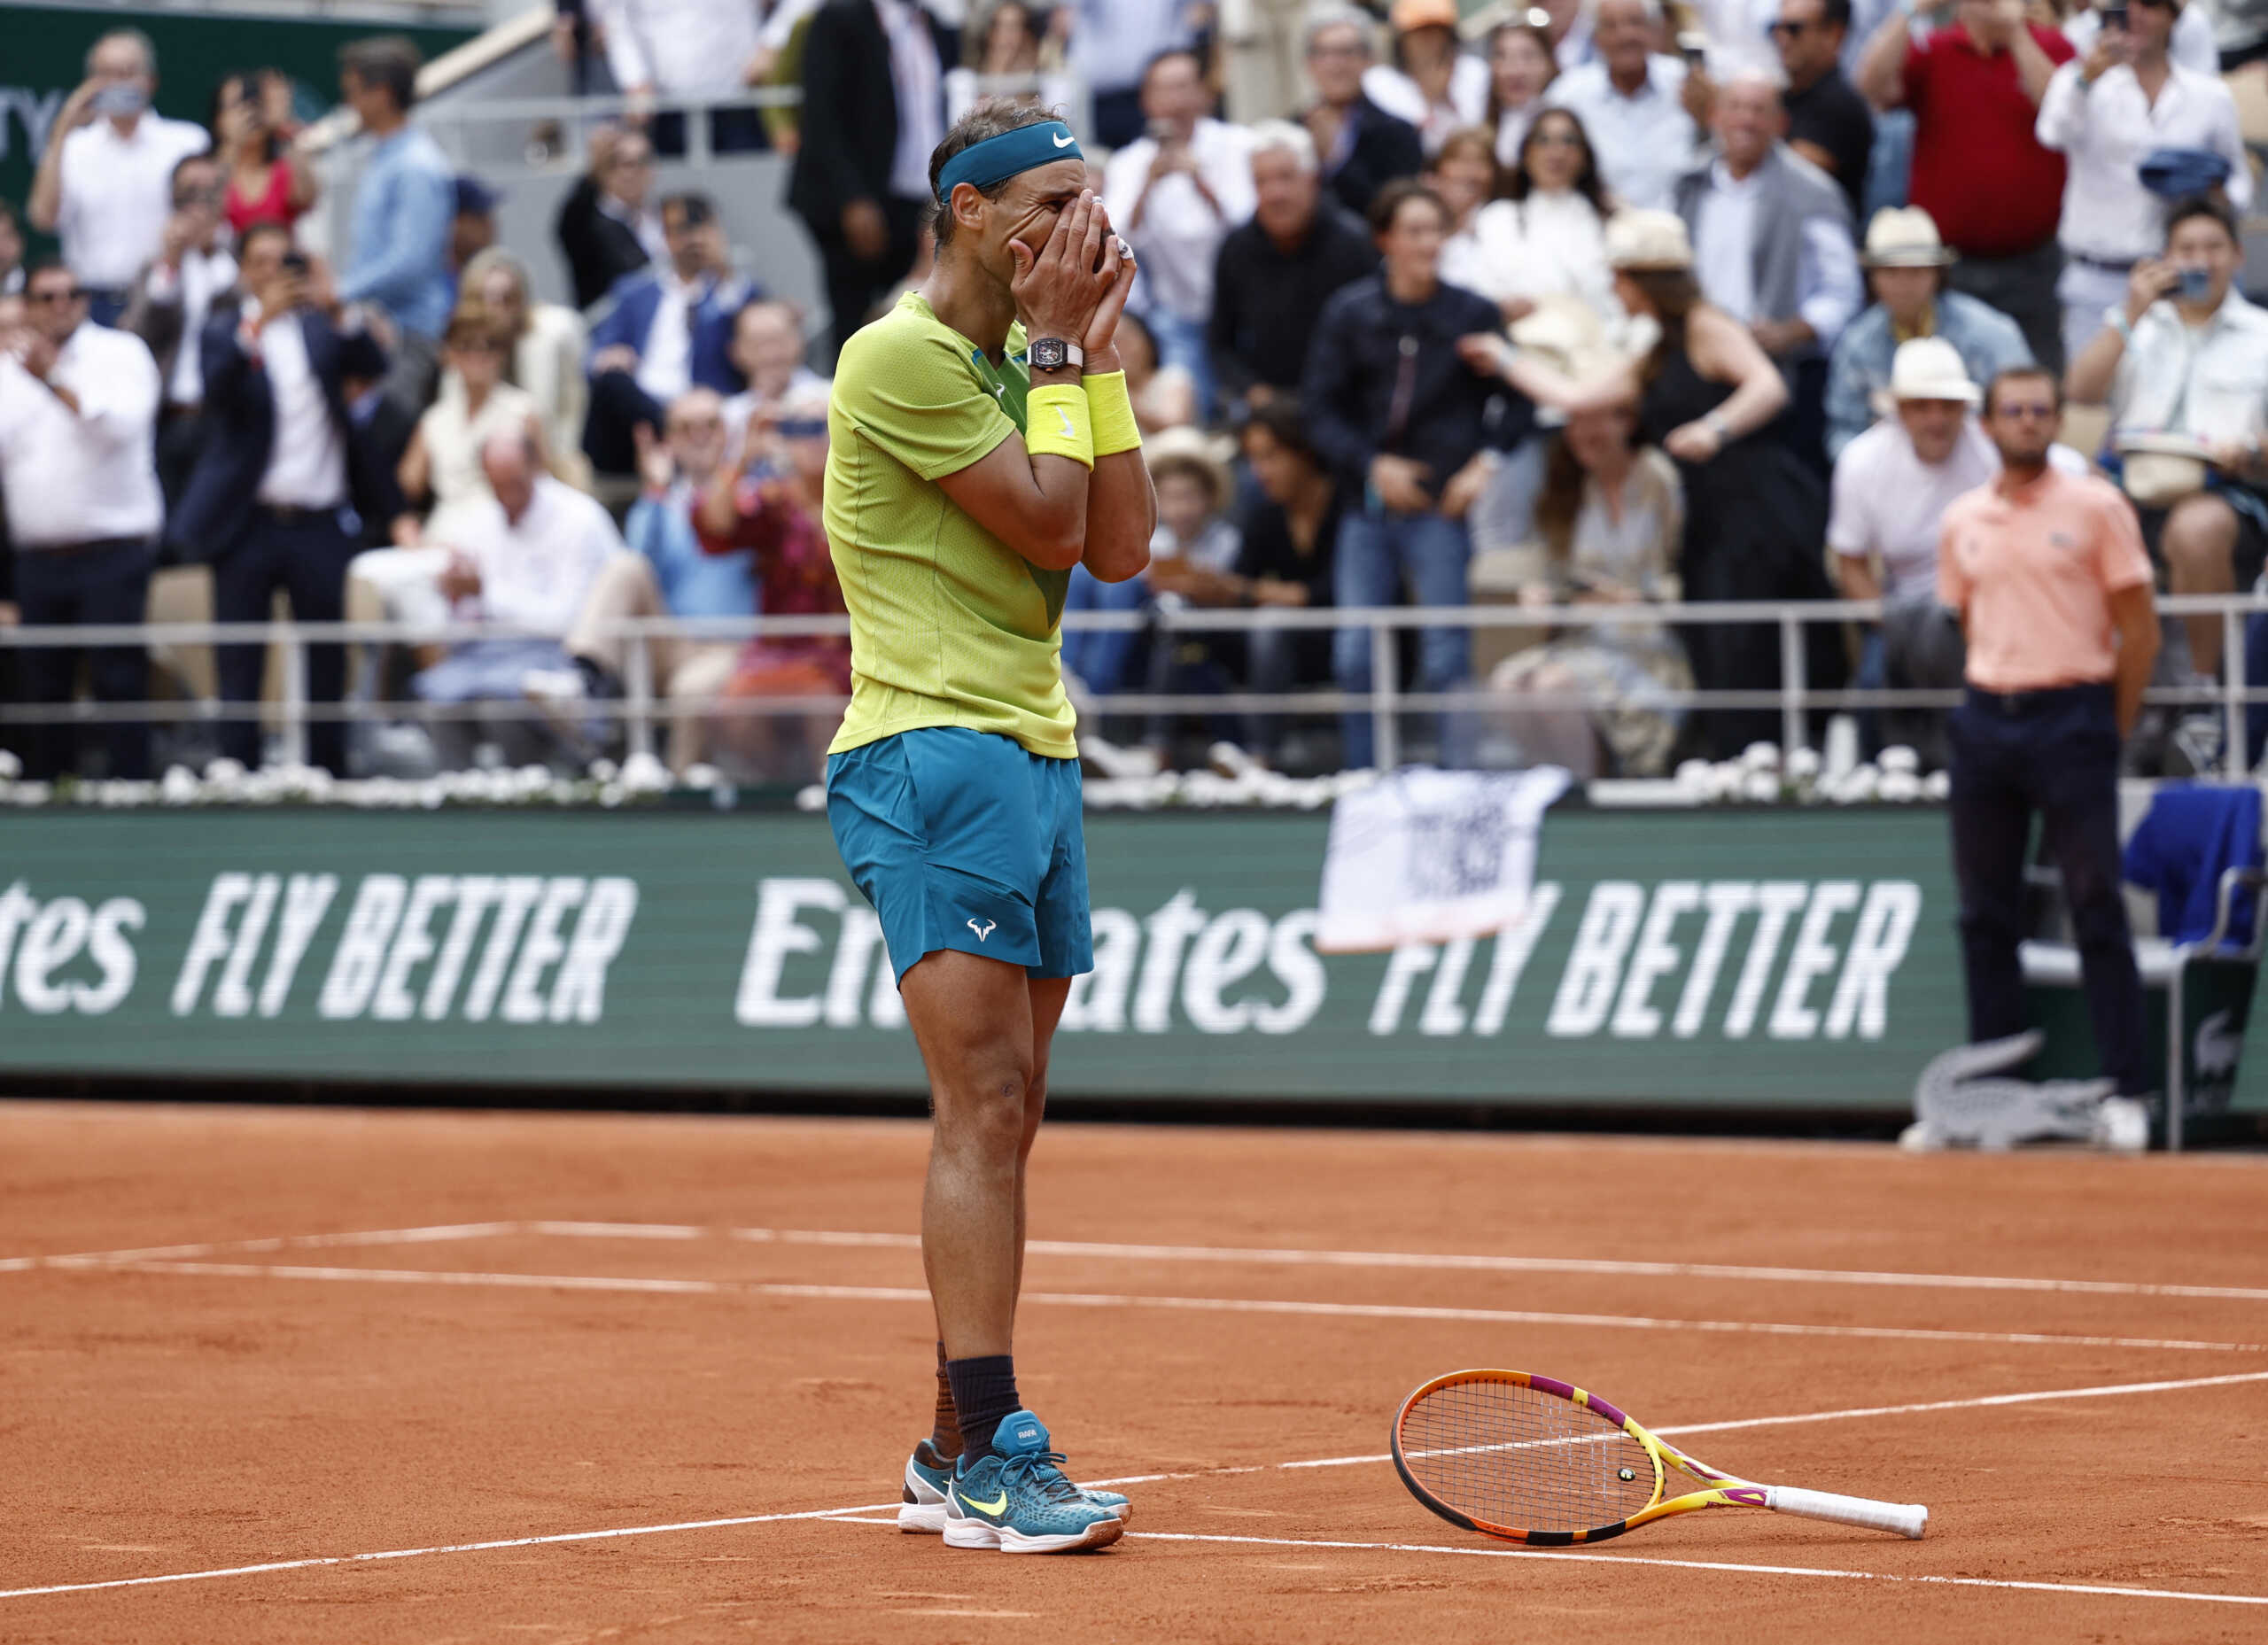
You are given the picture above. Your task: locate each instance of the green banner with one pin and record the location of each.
(43, 60)
(1716, 958)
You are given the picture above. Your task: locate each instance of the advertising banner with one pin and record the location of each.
(1724, 958)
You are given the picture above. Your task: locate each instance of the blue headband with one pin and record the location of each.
(996, 159)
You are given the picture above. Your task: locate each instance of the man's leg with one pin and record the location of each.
(2077, 759)
(2200, 548)
(242, 583)
(624, 589)
(47, 596)
(314, 571)
(1992, 825)
(118, 590)
(1363, 573)
(1438, 556)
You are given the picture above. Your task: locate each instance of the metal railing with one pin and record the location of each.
(643, 704)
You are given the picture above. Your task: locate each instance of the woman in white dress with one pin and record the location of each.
(1547, 238)
(1520, 70)
(548, 345)
(442, 463)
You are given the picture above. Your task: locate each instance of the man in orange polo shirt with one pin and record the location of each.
(2048, 573)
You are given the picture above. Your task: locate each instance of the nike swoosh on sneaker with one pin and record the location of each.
(992, 1506)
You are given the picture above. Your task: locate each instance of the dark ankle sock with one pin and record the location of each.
(599, 680)
(944, 1437)
(984, 1392)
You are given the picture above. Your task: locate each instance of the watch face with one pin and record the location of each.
(1048, 353)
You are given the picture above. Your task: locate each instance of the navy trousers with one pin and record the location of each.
(99, 582)
(304, 553)
(2053, 753)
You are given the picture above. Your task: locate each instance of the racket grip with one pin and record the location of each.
(1907, 1519)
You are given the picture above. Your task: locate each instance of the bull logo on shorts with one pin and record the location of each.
(984, 930)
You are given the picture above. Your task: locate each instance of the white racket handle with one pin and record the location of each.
(1907, 1519)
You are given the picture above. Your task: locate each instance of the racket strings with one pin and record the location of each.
(1511, 1457)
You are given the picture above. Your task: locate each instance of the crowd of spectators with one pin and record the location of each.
(1590, 302)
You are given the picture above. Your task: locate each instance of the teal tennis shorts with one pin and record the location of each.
(965, 840)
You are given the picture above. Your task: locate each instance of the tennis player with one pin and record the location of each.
(982, 445)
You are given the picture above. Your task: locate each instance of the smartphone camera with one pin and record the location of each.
(2115, 17)
(2195, 284)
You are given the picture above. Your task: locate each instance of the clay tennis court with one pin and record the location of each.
(294, 1374)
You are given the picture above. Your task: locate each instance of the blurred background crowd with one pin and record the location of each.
(1589, 305)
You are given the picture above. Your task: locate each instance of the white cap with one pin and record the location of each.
(1930, 368)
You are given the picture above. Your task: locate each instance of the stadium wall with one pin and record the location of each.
(1735, 958)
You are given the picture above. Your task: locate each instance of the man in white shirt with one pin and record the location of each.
(2108, 112)
(1176, 193)
(1892, 485)
(167, 307)
(78, 402)
(1630, 100)
(769, 351)
(525, 560)
(2187, 356)
(681, 48)
(105, 183)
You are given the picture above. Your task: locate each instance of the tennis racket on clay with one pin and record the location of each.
(1531, 1459)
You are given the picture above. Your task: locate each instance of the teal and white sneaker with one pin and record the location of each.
(1019, 1499)
(929, 1478)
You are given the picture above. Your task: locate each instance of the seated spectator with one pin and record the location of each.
(2188, 355)
(1191, 555)
(77, 405)
(1906, 266)
(766, 500)
(1433, 82)
(1463, 173)
(1407, 429)
(1755, 513)
(605, 229)
(547, 343)
(524, 557)
(265, 180)
(1164, 397)
(1176, 193)
(769, 350)
(12, 252)
(167, 306)
(405, 203)
(682, 50)
(1631, 102)
(1611, 518)
(1288, 534)
(1979, 170)
(1771, 244)
(106, 177)
(1892, 485)
(1360, 147)
(1546, 239)
(284, 472)
(1276, 272)
(668, 327)
(1828, 122)
(1520, 71)
(443, 466)
(667, 573)
(2124, 104)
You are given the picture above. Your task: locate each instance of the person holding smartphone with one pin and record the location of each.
(104, 183)
(2122, 104)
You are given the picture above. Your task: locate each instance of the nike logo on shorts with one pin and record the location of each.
(984, 930)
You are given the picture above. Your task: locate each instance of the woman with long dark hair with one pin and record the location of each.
(1756, 513)
(1547, 237)
(1520, 70)
(267, 180)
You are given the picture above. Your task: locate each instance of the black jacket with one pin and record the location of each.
(1266, 302)
(240, 413)
(850, 113)
(1384, 377)
(599, 248)
(1385, 147)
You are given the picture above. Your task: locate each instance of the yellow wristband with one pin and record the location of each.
(1113, 409)
(1056, 422)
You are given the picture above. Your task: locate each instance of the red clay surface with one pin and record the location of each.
(180, 1412)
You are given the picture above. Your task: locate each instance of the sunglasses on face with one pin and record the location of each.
(2040, 413)
(1557, 140)
(199, 196)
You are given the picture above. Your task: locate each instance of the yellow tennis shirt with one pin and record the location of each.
(948, 626)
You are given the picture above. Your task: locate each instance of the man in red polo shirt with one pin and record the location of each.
(1979, 171)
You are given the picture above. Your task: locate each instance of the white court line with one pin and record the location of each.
(1564, 1556)
(448, 1547)
(1203, 1305)
(1278, 1256)
(847, 1514)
